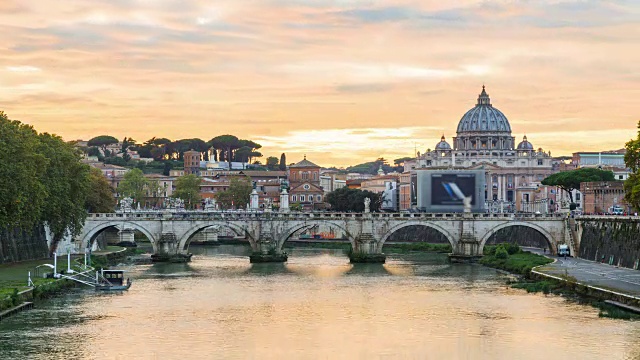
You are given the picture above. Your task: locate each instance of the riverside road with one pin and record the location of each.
(623, 280)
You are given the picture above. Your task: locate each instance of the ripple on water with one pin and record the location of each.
(317, 305)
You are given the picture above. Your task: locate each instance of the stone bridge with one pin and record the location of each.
(171, 232)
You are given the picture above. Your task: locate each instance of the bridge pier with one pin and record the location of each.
(268, 251)
(126, 237)
(467, 249)
(366, 251)
(167, 250)
(211, 235)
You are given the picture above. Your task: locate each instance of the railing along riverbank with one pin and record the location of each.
(582, 288)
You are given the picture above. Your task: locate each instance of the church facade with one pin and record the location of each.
(484, 140)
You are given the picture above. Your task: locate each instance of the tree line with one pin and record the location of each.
(42, 181)
(227, 148)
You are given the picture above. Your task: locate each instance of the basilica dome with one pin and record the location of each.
(443, 145)
(484, 118)
(525, 144)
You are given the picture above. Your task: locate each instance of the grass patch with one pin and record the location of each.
(417, 246)
(519, 263)
(614, 312)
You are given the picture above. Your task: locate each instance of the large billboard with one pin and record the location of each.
(446, 190)
(390, 196)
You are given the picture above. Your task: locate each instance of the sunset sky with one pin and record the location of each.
(344, 81)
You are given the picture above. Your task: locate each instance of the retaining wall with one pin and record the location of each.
(615, 241)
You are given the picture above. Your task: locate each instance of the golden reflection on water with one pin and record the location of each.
(329, 309)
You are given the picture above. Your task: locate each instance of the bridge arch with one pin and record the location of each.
(239, 230)
(290, 231)
(552, 243)
(431, 225)
(90, 236)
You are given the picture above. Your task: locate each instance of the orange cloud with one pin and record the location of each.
(345, 75)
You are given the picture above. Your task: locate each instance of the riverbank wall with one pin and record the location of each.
(20, 245)
(614, 240)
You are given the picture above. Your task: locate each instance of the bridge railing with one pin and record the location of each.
(233, 215)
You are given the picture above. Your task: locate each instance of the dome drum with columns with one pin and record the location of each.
(484, 140)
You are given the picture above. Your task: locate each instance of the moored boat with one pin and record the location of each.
(113, 280)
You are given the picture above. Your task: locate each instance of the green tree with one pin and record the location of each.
(42, 181)
(167, 168)
(127, 143)
(243, 154)
(226, 144)
(155, 192)
(100, 198)
(237, 194)
(632, 160)
(283, 162)
(188, 189)
(67, 182)
(94, 151)
(102, 141)
(134, 185)
(21, 192)
(372, 167)
(570, 180)
(272, 163)
(345, 199)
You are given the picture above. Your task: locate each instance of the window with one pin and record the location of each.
(305, 175)
(319, 198)
(620, 177)
(293, 198)
(539, 161)
(315, 176)
(577, 196)
(301, 198)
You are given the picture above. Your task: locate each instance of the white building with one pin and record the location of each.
(484, 141)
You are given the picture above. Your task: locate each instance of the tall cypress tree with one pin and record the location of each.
(283, 163)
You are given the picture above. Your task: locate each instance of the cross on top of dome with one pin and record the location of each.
(483, 98)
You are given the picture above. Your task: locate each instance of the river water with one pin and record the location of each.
(316, 306)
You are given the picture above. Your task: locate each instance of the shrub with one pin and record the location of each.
(501, 252)
(489, 250)
(512, 248)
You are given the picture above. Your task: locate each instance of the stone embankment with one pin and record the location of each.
(20, 245)
(614, 240)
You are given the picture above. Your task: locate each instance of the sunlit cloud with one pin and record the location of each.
(342, 81)
(23, 69)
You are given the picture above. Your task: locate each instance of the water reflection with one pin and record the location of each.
(315, 306)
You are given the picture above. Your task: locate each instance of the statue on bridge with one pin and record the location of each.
(466, 201)
(367, 204)
(210, 204)
(126, 204)
(175, 204)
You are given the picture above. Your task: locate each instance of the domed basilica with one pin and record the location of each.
(483, 141)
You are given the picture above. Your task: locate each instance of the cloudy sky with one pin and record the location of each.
(343, 81)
